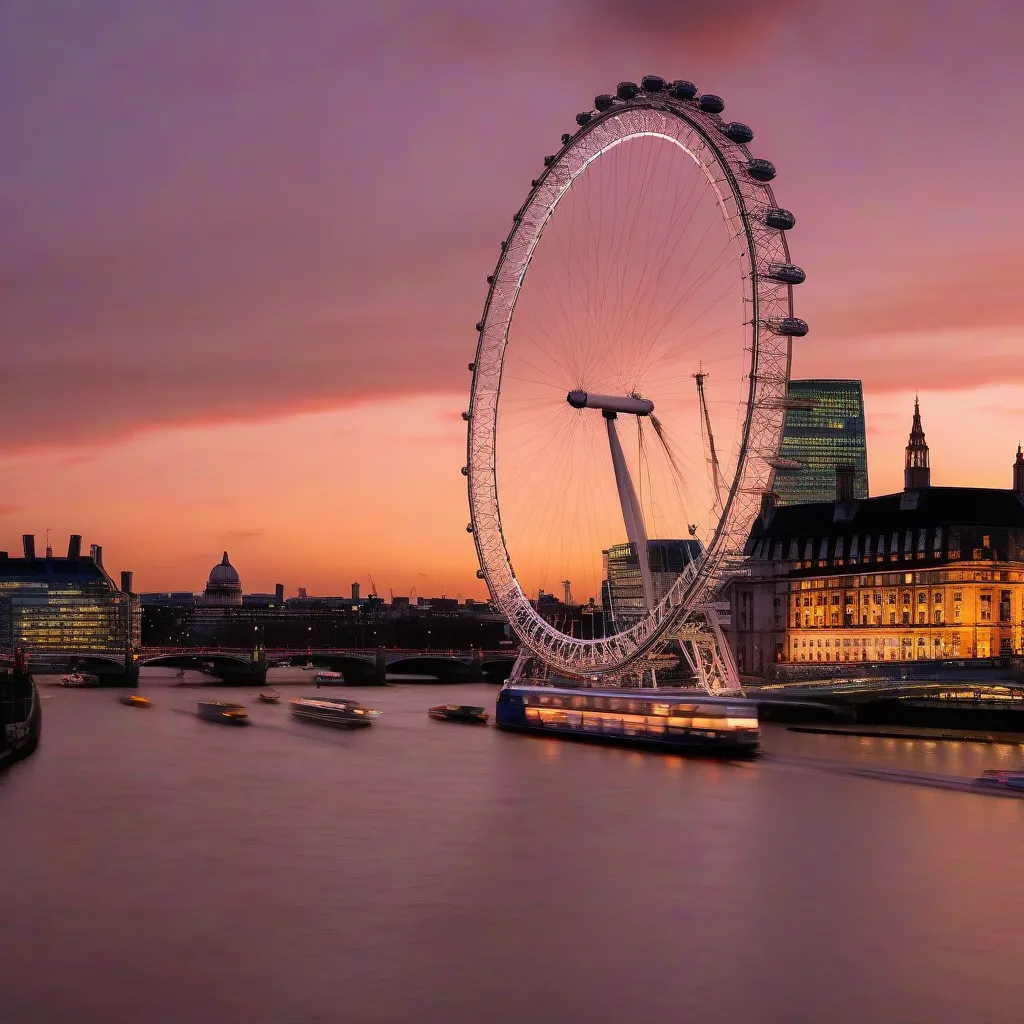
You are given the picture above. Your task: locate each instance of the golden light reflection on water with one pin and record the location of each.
(551, 750)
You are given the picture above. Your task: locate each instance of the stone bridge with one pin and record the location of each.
(358, 665)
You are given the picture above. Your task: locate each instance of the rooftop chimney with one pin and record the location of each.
(28, 543)
(126, 582)
(96, 553)
(75, 546)
(845, 476)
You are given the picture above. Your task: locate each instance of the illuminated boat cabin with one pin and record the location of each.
(677, 721)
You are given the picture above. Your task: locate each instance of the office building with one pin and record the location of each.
(824, 428)
(62, 608)
(622, 589)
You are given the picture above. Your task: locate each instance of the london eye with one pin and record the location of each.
(630, 379)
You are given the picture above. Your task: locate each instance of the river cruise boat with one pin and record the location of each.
(134, 700)
(326, 678)
(459, 713)
(338, 712)
(684, 721)
(270, 696)
(1001, 778)
(222, 711)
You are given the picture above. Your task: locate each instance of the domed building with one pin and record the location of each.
(223, 588)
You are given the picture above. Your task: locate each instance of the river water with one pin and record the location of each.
(158, 868)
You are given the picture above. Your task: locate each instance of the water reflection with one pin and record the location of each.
(167, 870)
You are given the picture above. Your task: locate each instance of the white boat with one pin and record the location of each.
(338, 712)
(326, 678)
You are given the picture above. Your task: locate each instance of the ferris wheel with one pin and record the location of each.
(630, 381)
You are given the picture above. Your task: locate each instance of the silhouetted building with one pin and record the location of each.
(223, 587)
(824, 429)
(927, 573)
(917, 473)
(61, 608)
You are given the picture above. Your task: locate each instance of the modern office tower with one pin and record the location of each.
(824, 431)
(67, 607)
(622, 590)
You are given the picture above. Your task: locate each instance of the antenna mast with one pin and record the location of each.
(700, 376)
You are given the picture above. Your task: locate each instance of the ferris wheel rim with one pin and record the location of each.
(702, 577)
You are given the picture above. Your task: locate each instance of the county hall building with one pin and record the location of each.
(928, 573)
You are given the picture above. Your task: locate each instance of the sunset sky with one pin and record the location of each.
(245, 242)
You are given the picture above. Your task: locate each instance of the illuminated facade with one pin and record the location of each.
(622, 589)
(62, 608)
(927, 573)
(824, 429)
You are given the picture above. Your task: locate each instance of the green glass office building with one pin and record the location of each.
(824, 430)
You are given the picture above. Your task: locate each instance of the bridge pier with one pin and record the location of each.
(476, 668)
(258, 668)
(131, 667)
(380, 674)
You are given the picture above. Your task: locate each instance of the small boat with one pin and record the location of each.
(79, 679)
(338, 712)
(134, 700)
(459, 713)
(1000, 777)
(325, 678)
(270, 696)
(222, 711)
(308, 667)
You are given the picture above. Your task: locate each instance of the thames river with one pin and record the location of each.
(158, 868)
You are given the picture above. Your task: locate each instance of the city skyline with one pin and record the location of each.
(192, 366)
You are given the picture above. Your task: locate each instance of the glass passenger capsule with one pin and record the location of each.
(584, 117)
(738, 132)
(787, 273)
(761, 170)
(779, 218)
(604, 101)
(652, 83)
(626, 90)
(711, 104)
(789, 325)
(682, 90)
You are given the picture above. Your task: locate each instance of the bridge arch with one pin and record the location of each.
(444, 668)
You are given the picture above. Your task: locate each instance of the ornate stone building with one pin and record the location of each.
(928, 573)
(223, 588)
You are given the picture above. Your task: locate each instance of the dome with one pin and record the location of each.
(223, 586)
(224, 572)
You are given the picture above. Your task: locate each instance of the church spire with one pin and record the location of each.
(1018, 474)
(917, 474)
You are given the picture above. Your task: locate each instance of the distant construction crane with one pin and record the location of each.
(700, 376)
(566, 592)
(373, 586)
